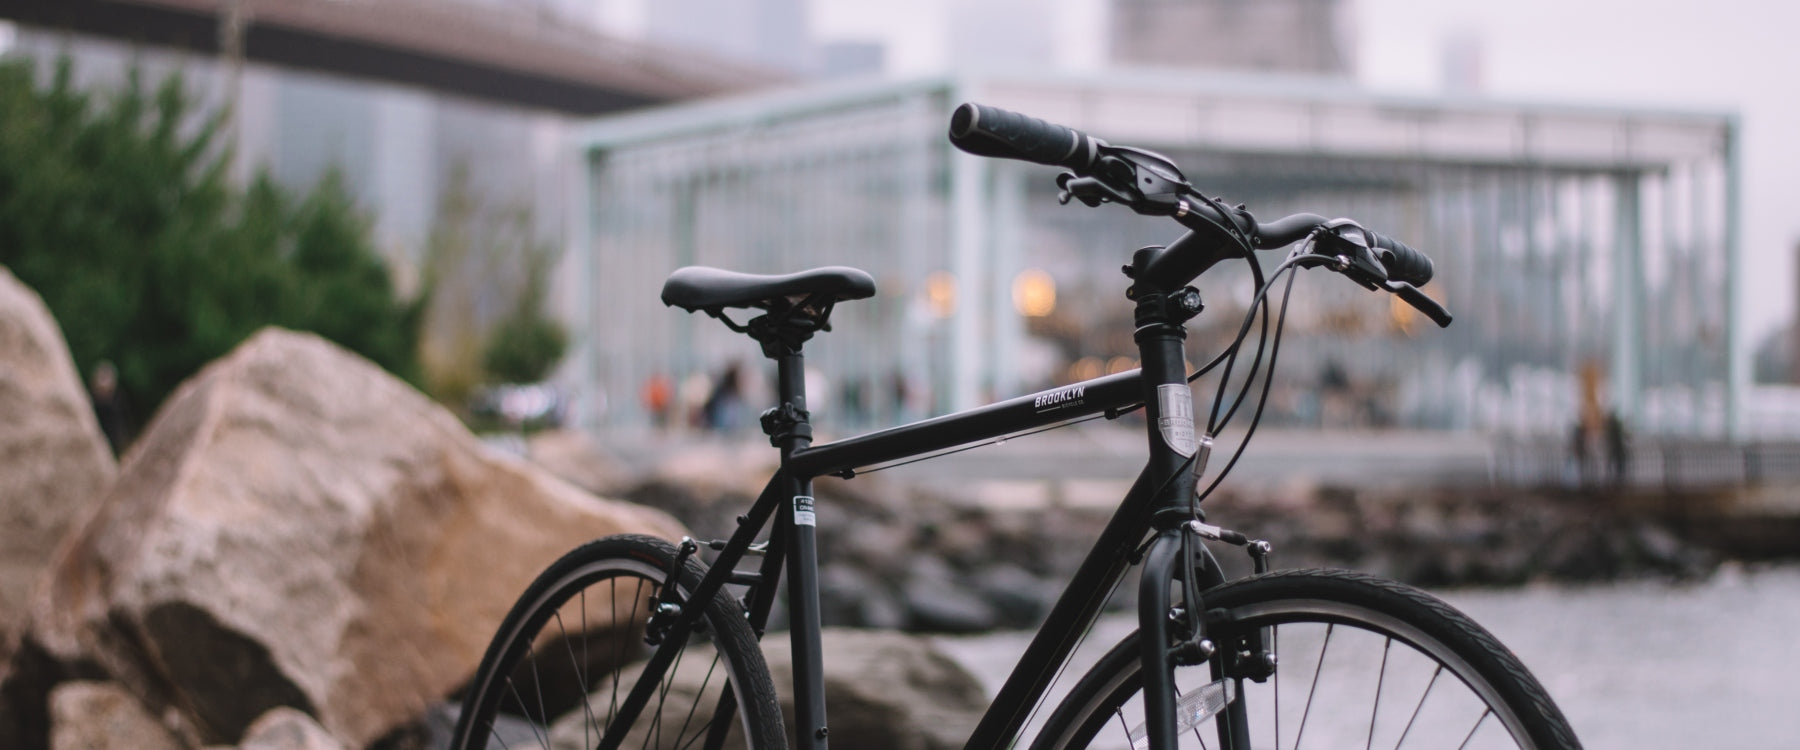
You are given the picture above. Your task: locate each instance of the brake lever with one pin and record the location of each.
(1348, 243)
(1420, 301)
(1089, 190)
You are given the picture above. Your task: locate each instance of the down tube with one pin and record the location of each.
(1069, 619)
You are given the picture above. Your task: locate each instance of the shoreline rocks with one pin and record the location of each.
(298, 528)
(897, 557)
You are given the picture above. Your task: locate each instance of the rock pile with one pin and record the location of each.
(296, 529)
(1457, 536)
(891, 556)
(894, 556)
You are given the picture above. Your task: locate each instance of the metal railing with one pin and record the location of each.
(1646, 463)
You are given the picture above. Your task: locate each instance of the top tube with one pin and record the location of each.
(1040, 409)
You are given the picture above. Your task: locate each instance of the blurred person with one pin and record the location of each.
(110, 407)
(695, 389)
(723, 410)
(854, 400)
(1617, 458)
(1591, 423)
(901, 387)
(657, 394)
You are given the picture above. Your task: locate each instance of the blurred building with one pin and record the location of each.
(1563, 236)
(1285, 36)
(769, 33)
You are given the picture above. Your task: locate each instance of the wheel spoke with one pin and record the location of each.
(1472, 730)
(619, 658)
(580, 677)
(538, 683)
(711, 724)
(662, 697)
(1380, 680)
(1420, 707)
(510, 685)
(1317, 670)
(527, 678)
(493, 735)
(699, 697)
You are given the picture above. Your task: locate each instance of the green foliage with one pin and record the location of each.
(486, 274)
(524, 347)
(118, 210)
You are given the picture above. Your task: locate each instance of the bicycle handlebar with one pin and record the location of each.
(990, 131)
(1403, 263)
(1107, 173)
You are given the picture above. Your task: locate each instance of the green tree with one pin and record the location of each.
(117, 209)
(486, 275)
(526, 344)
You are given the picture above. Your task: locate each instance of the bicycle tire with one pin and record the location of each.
(1102, 709)
(578, 633)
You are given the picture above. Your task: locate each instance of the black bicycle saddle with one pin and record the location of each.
(694, 288)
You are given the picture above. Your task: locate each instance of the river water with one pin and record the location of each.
(1712, 664)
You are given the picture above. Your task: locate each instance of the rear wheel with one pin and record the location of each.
(1358, 662)
(573, 647)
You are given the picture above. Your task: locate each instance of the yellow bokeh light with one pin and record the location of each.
(1034, 293)
(1086, 368)
(940, 293)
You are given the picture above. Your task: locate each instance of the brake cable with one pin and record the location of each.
(1268, 378)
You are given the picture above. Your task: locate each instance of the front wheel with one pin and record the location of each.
(573, 646)
(1357, 661)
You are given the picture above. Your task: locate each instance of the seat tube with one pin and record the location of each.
(790, 430)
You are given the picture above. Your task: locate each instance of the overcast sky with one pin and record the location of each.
(1724, 55)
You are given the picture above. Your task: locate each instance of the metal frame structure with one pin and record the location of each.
(1565, 234)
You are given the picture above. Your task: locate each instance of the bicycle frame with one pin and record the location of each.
(1152, 511)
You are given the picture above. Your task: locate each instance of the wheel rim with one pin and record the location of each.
(572, 664)
(1347, 677)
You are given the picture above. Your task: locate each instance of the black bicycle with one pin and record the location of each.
(635, 642)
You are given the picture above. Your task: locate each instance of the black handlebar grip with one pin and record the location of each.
(1403, 263)
(990, 131)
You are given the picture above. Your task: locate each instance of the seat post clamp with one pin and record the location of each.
(785, 422)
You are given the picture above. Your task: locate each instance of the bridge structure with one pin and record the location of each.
(521, 54)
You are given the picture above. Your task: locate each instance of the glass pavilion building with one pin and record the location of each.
(1567, 240)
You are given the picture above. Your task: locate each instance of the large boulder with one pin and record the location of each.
(298, 528)
(54, 462)
(104, 716)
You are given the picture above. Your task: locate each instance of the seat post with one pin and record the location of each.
(789, 429)
(788, 425)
